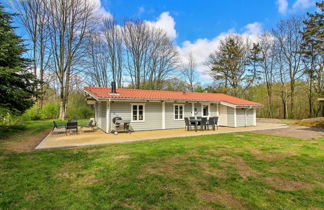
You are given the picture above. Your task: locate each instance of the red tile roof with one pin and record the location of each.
(100, 92)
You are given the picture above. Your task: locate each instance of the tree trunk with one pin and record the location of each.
(292, 98)
(310, 98)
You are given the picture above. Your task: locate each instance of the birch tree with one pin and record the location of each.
(69, 22)
(33, 17)
(150, 55)
(189, 71)
(268, 67)
(114, 42)
(288, 36)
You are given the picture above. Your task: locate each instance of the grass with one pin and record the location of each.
(242, 170)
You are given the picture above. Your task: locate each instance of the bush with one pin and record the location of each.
(50, 111)
(79, 112)
(6, 118)
(32, 113)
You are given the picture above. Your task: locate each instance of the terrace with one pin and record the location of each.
(84, 138)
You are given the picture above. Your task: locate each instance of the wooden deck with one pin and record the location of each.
(60, 140)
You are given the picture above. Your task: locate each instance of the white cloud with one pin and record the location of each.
(298, 5)
(165, 22)
(140, 11)
(303, 4)
(202, 48)
(253, 29)
(99, 11)
(282, 6)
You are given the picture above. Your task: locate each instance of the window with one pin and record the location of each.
(138, 112)
(178, 111)
(205, 110)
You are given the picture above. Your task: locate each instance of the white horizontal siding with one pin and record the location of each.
(170, 122)
(230, 117)
(153, 117)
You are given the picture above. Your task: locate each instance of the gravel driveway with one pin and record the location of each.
(301, 132)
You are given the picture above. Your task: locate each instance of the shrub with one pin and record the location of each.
(6, 118)
(50, 111)
(32, 113)
(79, 112)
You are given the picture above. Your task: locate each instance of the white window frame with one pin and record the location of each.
(183, 111)
(137, 104)
(202, 109)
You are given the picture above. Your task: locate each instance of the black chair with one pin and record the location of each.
(192, 122)
(212, 122)
(71, 125)
(57, 126)
(216, 122)
(188, 124)
(203, 123)
(90, 125)
(198, 118)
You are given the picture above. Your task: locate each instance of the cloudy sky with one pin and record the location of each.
(196, 26)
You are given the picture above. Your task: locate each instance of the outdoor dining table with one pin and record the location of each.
(196, 122)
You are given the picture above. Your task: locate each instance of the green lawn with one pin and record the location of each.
(242, 170)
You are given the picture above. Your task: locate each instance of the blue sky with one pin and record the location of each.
(196, 26)
(207, 18)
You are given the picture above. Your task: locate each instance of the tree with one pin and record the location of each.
(288, 37)
(150, 54)
(17, 84)
(230, 64)
(268, 67)
(32, 15)
(97, 62)
(69, 23)
(114, 46)
(189, 71)
(312, 50)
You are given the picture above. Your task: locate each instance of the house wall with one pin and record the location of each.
(153, 115)
(230, 117)
(244, 117)
(96, 112)
(240, 117)
(170, 122)
(101, 115)
(222, 120)
(250, 117)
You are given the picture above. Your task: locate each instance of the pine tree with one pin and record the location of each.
(312, 49)
(17, 84)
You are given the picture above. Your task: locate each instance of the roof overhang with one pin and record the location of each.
(120, 99)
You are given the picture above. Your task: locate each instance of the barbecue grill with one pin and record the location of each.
(121, 125)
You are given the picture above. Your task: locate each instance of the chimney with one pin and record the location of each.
(113, 88)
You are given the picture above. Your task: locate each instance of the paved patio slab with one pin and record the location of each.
(60, 140)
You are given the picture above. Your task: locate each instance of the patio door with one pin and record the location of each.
(205, 109)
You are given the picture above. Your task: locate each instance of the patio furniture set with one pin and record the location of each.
(121, 125)
(73, 125)
(202, 122)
